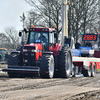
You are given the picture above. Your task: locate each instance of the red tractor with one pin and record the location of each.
(43, 54)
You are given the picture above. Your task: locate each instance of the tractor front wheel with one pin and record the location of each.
(13, 60)
(47, 66)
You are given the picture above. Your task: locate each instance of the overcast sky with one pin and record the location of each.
(10, 12)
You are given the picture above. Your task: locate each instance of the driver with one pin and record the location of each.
(42, 38)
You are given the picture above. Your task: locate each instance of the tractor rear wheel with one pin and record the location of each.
(47, 66)
(65, 63)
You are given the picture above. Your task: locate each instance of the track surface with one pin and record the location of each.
(76, 88)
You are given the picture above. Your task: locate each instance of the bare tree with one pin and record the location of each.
(48, 13)
(32, 19)
(9, 39)
(83, 17)
(3, 40)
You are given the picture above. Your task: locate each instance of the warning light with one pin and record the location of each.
(81, 33)
(33, 26)
(55, 26)
(68, 3)
(97, 31)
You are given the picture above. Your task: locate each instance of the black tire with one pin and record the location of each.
(13, 60)
(65, 63)
(56, 71)
(86, 73)
(73, 71)
(47, 66)
(93, 71)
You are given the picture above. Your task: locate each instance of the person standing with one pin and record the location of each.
(95, 46)
(77, 45)
(88, 44)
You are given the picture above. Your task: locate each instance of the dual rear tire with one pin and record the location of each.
(90, 72)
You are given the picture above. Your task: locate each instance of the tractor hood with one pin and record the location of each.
(33, 46)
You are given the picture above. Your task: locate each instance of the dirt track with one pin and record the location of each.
(76, 88)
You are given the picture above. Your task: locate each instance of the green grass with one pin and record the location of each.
(3, 62)
(98, 70)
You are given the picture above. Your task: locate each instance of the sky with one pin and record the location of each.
(10, 12)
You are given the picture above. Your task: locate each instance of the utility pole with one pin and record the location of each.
(85, 10)
(99, 13)
(22, 20)
(99, 25)
(64, 21)
(84, 18)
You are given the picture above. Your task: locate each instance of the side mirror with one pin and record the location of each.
(20, 34)
(25, 30)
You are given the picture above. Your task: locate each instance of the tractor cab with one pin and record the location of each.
(45, 36)
(40, 41)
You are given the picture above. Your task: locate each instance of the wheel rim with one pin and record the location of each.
(89, 72)
(94, 70)
(51, 70)
(68, 64)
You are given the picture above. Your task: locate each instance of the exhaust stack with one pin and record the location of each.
(64, 21)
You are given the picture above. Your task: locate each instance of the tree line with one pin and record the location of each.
(9, 38)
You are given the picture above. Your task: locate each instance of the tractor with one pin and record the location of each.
(45, 54)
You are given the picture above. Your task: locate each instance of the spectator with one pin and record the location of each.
(95, 46)
(77, 45)
(88, 44)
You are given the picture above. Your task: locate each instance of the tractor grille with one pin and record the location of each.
(29, 47)
(29, 55)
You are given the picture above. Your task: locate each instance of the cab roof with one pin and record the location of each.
(42, 29)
